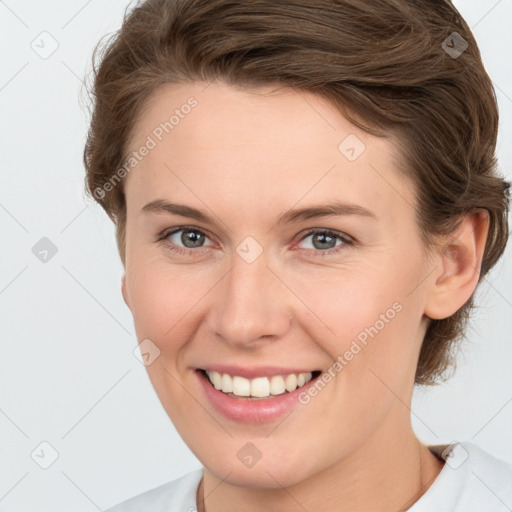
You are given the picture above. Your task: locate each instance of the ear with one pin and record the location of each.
(124, 291)
(460, 260)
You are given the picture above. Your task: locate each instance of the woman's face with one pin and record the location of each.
(254, 290)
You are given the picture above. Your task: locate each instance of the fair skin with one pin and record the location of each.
(245, 157)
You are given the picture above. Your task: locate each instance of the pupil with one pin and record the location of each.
(322, 237)
(193, 237)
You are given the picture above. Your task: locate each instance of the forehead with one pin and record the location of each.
(260, 145)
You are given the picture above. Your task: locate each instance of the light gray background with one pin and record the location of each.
(67, 370)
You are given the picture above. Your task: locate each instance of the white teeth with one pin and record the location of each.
(241, 386)
(277, 386)
(291, 382)
(227, 383)
(259, 387)
(216, 380)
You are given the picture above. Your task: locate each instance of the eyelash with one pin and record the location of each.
(347, 241)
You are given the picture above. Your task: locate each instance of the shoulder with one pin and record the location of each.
(488, 476)
(179, 494)
(471, 480)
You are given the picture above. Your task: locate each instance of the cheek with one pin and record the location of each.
(161, 297)
(373, 350)
(368, 318)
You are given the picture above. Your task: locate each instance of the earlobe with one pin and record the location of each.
(460, 261)
(124, 291)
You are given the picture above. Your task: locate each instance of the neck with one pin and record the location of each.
(381, 475)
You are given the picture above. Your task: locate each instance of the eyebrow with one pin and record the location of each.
(336, 208)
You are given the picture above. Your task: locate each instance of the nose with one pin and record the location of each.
(252, 305)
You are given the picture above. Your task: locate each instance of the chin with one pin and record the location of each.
(263, 475)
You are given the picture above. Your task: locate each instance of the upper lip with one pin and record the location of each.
(253, 372)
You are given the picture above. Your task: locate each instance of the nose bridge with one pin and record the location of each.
(253, 303)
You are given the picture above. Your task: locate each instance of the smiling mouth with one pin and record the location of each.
(259, 388)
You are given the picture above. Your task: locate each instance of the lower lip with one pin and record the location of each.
(251, 411)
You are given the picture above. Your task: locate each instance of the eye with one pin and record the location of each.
(191, 238)
(325, 242)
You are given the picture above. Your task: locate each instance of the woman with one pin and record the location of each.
(306, 199)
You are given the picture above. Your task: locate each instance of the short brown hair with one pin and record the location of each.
(387, 66)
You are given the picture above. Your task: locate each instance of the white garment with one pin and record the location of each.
(471, 480)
